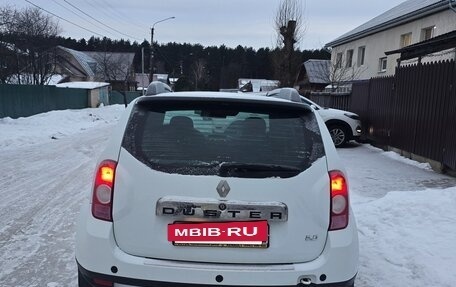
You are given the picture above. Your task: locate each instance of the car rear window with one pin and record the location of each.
(229, 139)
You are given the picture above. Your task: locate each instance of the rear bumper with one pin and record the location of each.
(98, 256)
(123, 281)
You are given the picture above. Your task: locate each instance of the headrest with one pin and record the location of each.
(181, 122)
(255, 124)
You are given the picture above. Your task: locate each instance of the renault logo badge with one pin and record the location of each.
(223, 188)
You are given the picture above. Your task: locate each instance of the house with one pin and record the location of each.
(360, 53)
(97, 92)
(164, 78)
(114, 68)
(445, 42)
(143, 81)
(75, 65)
(313, 76)
(258, 85)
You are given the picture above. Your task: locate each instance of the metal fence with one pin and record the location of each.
(117, 98)
(414, 111)
(26, 100)
(340, 100)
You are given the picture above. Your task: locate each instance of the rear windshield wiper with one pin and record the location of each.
(228, 169)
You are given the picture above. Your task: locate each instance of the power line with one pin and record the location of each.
(68, 9)
(122, 15)
(63, 18)
(99, 21)
(93, 4)
(90, 2)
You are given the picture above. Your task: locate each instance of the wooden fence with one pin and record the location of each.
(414, 111)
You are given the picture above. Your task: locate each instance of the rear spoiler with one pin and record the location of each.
(289, 94)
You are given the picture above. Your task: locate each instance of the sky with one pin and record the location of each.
(208, 22)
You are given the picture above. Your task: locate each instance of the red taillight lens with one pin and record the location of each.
(103, 190)
(339, 201)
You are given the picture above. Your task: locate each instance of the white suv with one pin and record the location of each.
(343, 126)
(216, 189)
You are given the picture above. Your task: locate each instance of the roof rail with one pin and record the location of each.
(285, 93)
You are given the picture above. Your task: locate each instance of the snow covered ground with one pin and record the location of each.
(406, 213)
(406, 216)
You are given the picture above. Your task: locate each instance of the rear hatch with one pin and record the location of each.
(197, 160)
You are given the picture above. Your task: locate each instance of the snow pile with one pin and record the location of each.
(408, 239)
(398, 157)
(82, 85)
(54, 125)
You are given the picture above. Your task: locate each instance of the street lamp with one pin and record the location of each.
(151, 76)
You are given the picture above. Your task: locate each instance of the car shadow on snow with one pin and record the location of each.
(351, 144)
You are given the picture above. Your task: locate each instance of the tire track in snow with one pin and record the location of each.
(43, 188)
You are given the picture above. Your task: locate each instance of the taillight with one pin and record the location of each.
(103, 190)
(339, 201)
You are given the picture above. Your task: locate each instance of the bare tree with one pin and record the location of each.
(33, 23)
(28, 34)
(289, 23)
(6, 17)
(6, 50)
(340, 70)
(198, 71)
(114, 68)
(290, 28)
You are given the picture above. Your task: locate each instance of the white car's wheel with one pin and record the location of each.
(338, 135)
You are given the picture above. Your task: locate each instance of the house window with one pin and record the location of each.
(339, 60)
(361, 54)
(406, 40)
(427, 33)
(349, 58)
(382, 63)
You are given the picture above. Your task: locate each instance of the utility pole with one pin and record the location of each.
(142, 71)
(152, 51)
(151, 64)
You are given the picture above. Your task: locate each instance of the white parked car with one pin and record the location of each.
(218, 189)
(343, 126)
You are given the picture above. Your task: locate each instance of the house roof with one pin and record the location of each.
(87, 63)
(82, 85)
(403, 13)
(317, 71)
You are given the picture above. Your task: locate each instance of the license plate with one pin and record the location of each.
(241, 234)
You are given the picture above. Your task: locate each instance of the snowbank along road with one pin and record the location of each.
(405, 211)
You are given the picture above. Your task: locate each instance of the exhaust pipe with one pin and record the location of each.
(306, 281)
